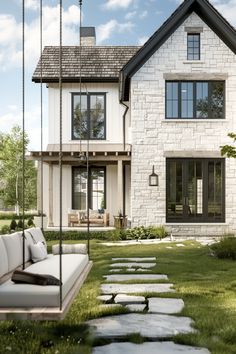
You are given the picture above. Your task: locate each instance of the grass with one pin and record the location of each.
(206, 284)
(4, 222)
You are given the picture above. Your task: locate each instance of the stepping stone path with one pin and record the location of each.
(150, 348)
(127, 299)
(125, 277)
(133, 265)
(162, 305)
(151, 317)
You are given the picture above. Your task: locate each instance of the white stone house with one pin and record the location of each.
(169, 104)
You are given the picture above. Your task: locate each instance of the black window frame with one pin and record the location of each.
(88, 94)
(205, 217)
(74, 168)
(194, 99)
(198, 53)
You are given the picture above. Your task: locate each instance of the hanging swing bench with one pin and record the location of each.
(21, 300)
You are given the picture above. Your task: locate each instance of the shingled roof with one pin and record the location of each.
(98, 63)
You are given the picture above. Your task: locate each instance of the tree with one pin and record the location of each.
(11, 176)
(228, 150)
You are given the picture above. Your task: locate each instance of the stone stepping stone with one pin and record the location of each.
(136, 307)
(105, 298)
(147, 325)
(124, 299)
(115, 270)
(180, 245)
(163, 305)
(133, 265)
(150, 348)
(143, 270)
(138, 259)
(124, 277)
(114, 288)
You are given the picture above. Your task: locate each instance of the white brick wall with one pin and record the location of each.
(152, 135)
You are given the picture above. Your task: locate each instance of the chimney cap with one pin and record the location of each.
(88, 32)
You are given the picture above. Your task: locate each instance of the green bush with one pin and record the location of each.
(30, 222)
(13, 224)
(142, 233)
(20, 224)
(5, 229)
(226, 248)
(11, 216)
(82, 235)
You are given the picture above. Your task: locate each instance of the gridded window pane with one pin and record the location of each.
(193, 46)
(202, 100)
(217, 100)
(186, 100)
(80, 121)
(98, 188)
(89, 119)
(172, 99)
(215, 190)
(175, 189)
(79, 198)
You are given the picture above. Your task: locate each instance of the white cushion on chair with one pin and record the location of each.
(13, 244)
(37, 235)
(3, 258)
(38, 252)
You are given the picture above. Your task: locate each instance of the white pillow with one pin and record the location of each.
(77, 248)
(38, 252)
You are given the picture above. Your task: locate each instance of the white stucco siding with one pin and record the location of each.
(114, 111)
(153, 136)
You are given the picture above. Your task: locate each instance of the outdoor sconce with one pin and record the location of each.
(153, 178)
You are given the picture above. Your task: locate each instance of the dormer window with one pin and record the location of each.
(193, 46)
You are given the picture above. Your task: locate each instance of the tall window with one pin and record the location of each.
(193, 52)
(195, 190)
(89, 116)
(195, 99)
(97, 183)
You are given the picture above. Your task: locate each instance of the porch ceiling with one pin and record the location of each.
(106, 153)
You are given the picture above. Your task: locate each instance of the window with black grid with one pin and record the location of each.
(193, 46)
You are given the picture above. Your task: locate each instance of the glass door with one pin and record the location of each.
(195, 190)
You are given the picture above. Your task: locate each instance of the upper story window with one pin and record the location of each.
(89, 116)
(193, 46)
(195, 99)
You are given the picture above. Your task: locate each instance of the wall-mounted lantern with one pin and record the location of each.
(153, 178)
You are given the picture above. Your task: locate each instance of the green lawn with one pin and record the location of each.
(4, 222)
(207, 286)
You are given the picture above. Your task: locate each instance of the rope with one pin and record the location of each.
(60, 156)
(80, 76)
(41, 109)
(23, 128)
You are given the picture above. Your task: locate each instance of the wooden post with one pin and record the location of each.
(120, 183)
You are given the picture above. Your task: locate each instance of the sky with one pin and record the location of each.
(117, 22)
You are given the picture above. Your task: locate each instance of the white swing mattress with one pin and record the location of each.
(27, 295)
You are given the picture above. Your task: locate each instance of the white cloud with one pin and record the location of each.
(143, 14)
(115, 4)
(32, 4)
(106, 30)
(32, 119)
(227, 9)
(130, 15)
(10, 35)
(142, 40)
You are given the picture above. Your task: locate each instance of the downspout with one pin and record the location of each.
(124, 145)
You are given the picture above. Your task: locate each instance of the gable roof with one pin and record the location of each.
(98, 63)
(204, 10)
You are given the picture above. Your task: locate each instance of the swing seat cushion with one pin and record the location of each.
(26, 295)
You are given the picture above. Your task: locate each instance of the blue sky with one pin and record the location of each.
(117, 22)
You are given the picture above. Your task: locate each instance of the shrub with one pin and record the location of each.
(10, 216)
(82, 235)
(5, 229)
(141, 233)
(226, 248)
(13, 224)
(20, 224)
(30, 222)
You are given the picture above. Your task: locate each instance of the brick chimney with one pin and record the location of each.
(88, 36)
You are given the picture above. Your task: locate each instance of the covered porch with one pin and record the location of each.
(109, 182)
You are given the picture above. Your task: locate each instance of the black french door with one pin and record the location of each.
(195, 190)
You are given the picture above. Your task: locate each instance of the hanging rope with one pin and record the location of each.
(23, 129)
(41, 110)
(60, 155)
(80, 78)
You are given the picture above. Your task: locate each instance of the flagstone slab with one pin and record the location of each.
(165, 305)
(128, 299)
(137, 259)
(132, 265)
(115, 270)
(147, 325)
(125, 277)
(114, 288)
(136, 307)
(143, 270)
(105, 298)
(150, 348)
(180, 245)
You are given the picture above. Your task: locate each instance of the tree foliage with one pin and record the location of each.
(11, 172)
(228, 150)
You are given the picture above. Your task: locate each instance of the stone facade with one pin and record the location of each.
(154, 138)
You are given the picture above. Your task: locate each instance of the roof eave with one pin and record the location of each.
(47, 80)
